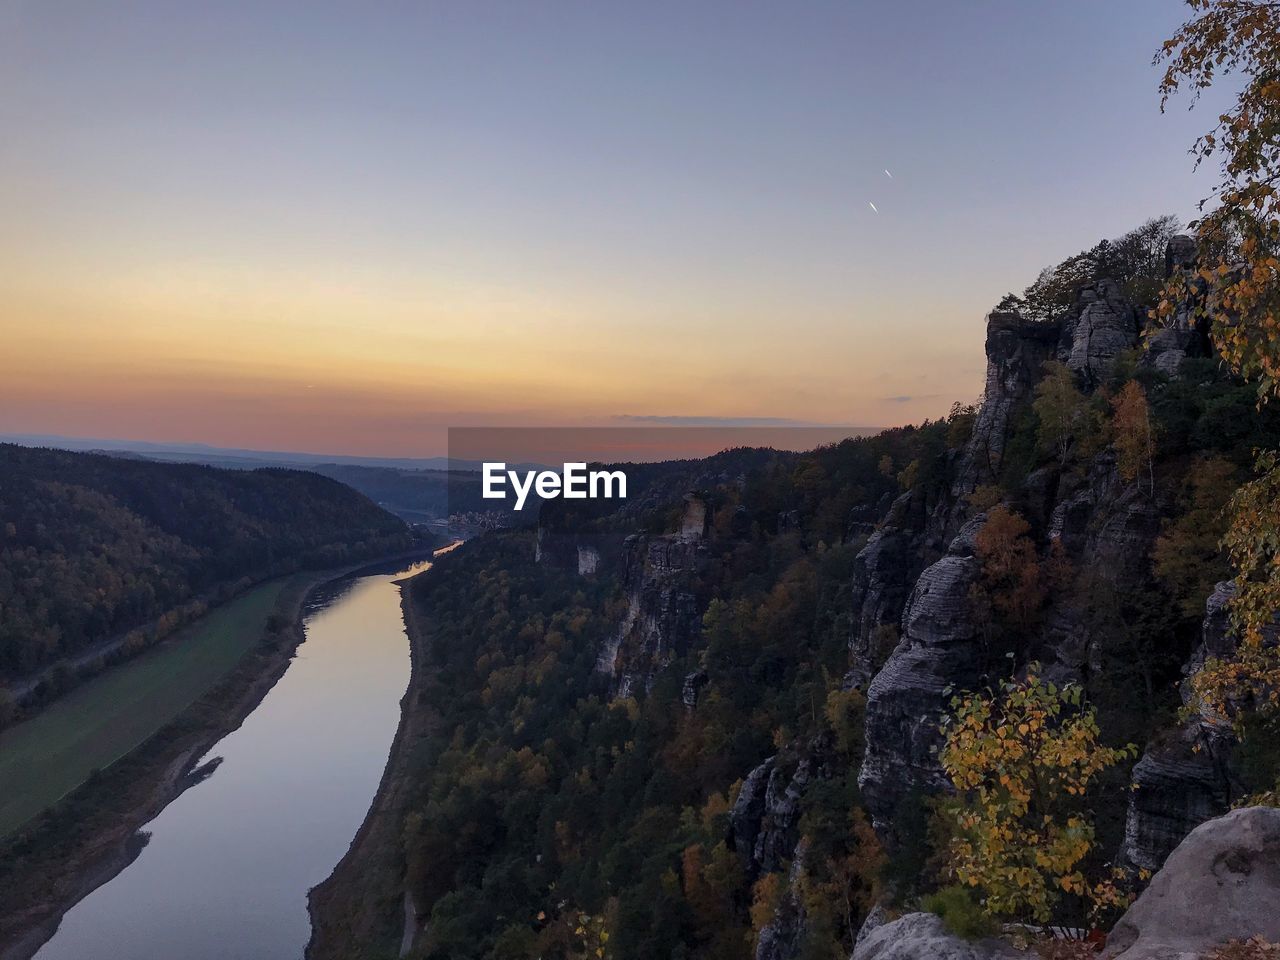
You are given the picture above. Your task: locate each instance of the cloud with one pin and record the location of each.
(685, 421)
(909, 397)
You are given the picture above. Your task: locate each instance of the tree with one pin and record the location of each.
(1250, 681)
(1135, 261)
(1021, 761)
(1234, 289)
(1188, 557)
(1237, 284)
(1011, 579)
(1133, 434)
(1063, 414)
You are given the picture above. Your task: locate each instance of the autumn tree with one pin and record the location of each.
(1135, 261)
(1134, 435)
(1234, 290)
(1011, 582)
(1021, 760)
(1188, 557)
(1236, 286)
(1065, 417)
(1250, 681)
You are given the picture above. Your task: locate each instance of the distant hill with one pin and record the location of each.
(223, 456)
(94, 545)
(417, 490)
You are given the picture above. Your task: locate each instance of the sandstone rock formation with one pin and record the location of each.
(1017, 350)
(1103, 525)
(663, 616)
(923, 936)
(1105, 326)
(1221, 883)
(764, 821)
(1185, 335)
(1183, 779)
(781, 938)
(883, 573)
(939, 649)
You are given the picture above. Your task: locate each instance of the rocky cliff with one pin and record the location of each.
(1220, 884)
(1103, 527)
(1184, 778)
(663, 614)
(916, 632)
(940, 649)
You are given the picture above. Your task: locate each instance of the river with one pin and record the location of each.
(227, 868)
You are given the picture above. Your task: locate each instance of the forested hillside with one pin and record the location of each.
(92, 546)
(726, 722)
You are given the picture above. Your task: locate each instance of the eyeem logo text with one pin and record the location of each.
(574, 482)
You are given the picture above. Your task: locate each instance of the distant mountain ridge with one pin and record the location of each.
(208, 453)
(92, 545)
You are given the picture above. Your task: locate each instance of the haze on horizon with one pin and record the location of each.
(343, 228)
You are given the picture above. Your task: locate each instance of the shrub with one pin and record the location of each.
(960, 911)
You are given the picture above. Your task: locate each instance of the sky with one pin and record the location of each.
(345, 227)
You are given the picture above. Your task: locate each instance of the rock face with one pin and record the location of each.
(692, 686)
(1105, 528)
(764, 831)
(663, 616)
(1186, 335)
(883, 572)
(1184, 779)
(1017, 350)
(1102, 525)
(939, 648)
(764, 820)
(923, 936)
(1221, 883)
(781, 938)
(1105, 326)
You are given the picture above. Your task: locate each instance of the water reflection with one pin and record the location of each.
(228, 865)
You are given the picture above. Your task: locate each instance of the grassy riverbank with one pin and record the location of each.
(100, 721)
(90, 835)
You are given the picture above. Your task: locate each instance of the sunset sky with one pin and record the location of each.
(344, 227)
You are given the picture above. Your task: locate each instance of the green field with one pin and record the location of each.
(104, 718)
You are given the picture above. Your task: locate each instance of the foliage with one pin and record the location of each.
(1257, 760)
(1250, 680)
(962, 914)
(1012, 583)
(535, 777)
(1021, 761)
(1235, 289)
(1135, 261)
(92, 546)
(1133, 435)
(1067, 421)
(1188, 556)
(1235, 285)
(1255, 948)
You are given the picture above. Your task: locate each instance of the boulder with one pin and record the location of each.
(923, 936)
(1222, 883)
